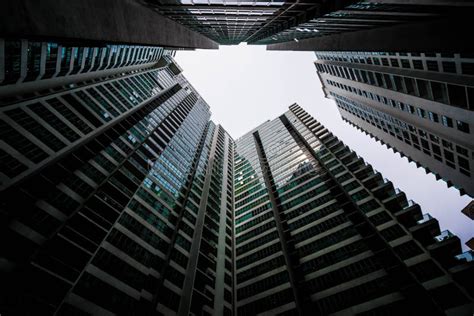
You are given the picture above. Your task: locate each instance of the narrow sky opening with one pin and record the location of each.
(248, 85)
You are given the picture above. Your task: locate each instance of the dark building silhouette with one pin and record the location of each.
(469, 210)
(382, 25)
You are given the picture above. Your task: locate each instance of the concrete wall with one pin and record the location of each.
(446, 35)
(112, 21)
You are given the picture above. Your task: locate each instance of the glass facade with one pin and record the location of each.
(417, 103)
(275, 21)
(120, 196)
(318, 231)
(117, 193)
(30, 68)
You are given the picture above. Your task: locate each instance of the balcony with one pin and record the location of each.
(425, 231)
(463, 270)
(446, 234)
(396, 201)
(373, 181)
(467, 256)
(384, 190)
(363, 172)
(426, 217)
(445, 249)
(410, 215)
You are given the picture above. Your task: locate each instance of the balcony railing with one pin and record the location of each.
(467, 256)
(426, 217)
(446, 234)
(410, 204)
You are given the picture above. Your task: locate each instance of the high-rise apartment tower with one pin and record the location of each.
(421, 105)
(116, 189)
(319, 232)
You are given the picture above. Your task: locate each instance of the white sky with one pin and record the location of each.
(247, 85)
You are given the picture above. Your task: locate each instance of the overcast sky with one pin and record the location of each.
(247, 85)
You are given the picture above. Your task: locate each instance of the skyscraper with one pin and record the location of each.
(119, 196)
(288, 25)
(318, 231)
(421, 105)
(116, 189)
(233, 22)
(284, 24)
(378, 25)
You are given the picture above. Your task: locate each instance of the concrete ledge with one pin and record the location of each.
(103, 21)
(442, 36)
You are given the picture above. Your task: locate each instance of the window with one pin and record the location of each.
(422, 88)
(433, 117)
(439, 91)
(434, 138)
(463, 163)
(462, 126)
(410, 85)
(380, 218)
(457, 95)
(359, 195)
(425, 145)
(388, 81)
(408, 250)
(266, 303)
(263, 285)
(260, 269)
(426, 270)
(449, 66)
(417, 64)
(19, 142)
(467, 68)
(470, 95)
(369, 206)
(447, 144)
(405, 63)
(260, 254)
(432, 65)
(421, 113)
(9, 165)
(69, 115)
(102, 293)
(393, 232)
(76, 105)
(446, 121)
(35, 128)
(54, 121)
(462, 151)
(398, 83)
(257, 243)
(436, 149)
(449, 155)
(119, 268)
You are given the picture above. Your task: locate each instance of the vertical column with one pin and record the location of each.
(188, 285)
(2, 60)
(220, 266)
(269, 183)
